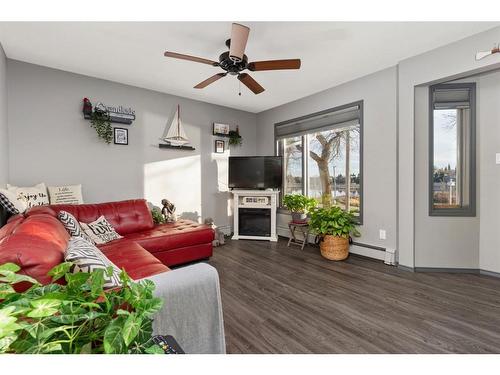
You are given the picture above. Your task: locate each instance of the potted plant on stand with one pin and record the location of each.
(299, 206)
(334, 226)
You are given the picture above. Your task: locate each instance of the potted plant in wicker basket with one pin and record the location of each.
(334, 226)
(299, 206)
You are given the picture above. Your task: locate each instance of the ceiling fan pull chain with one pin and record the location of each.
(239, 88)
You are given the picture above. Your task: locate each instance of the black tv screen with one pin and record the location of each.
(255, 172)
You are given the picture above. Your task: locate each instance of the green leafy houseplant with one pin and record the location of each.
(79, 317)
(333, 221)
(235, 138)
(334, 226)
(157, 216)
(299, 205)
(99, 120)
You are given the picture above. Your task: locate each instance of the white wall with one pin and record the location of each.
(51, 142)
(443, 64)
(489, 190)
(4, 144)
(378, 91)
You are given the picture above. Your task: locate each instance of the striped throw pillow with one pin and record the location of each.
(86, 257)
(73, 226)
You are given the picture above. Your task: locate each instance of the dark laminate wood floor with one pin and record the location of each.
(283, 300)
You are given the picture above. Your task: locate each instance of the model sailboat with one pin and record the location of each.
(174, 135)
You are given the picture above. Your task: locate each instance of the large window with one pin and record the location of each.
(452, 150)
(322, 156)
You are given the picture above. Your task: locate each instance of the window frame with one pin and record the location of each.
(469, 211)
(278, 150)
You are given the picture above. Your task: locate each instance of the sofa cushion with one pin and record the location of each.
(100, 231)
(125, 216)
(9, 201)
(36, 244)
(182, 233)
(70, 194)
(132, 257)
(86, 257)
(31, 195)
(12, 224)
(73, 226)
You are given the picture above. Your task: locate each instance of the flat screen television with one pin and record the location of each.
(255, 172)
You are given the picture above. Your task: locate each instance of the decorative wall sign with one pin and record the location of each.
(120, 136)
(221, 129)
(117, 114)
(219, 146)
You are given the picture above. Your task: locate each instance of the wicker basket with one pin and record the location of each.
(334, 248)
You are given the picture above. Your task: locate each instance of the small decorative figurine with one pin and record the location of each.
(168, 210)
(87, 107)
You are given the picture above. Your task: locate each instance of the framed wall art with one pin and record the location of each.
(120, 136)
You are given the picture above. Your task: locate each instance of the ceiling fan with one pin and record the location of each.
(482, 55)
(234, 61)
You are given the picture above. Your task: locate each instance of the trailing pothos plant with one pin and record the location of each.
(235, 138)
(79, 317)
(99, 120)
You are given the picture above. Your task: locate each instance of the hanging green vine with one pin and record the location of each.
(100, 122)
(235, 138)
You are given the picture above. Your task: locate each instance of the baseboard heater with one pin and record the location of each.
(388, 256)
(373, 247)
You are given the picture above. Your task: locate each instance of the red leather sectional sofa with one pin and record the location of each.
(37, 240)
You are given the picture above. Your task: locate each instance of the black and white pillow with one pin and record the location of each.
(10, 202)
(8, 205)
(73, 226)
(86, 257)
(100, 231)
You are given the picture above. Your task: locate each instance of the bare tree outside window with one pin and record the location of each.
(322, 156)
(332, 153)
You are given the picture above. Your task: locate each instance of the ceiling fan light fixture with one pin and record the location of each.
(239, 38)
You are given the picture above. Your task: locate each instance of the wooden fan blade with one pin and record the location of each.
(250, 83)
(239, 38)
(210, 80)
(274, 65)
(190, 58)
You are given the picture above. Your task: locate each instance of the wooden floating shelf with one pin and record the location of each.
(225, 135)
(113, 119)
(163, 145)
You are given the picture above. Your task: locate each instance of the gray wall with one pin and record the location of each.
(51, 142)
(378, 91)
(443, 242)
(489, 190)
(450, 62)
(4, 144)
(462, 242)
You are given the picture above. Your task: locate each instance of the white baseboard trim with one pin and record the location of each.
(355, 249)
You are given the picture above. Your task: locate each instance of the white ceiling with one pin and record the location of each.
(132, 53)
